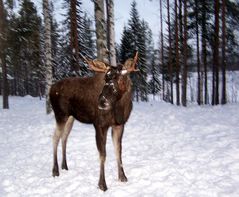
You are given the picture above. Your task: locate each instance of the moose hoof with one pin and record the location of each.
(55, 172)
(64, 166)
(123, 179)
(103, 187)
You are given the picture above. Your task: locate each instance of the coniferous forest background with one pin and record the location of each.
(195, 56)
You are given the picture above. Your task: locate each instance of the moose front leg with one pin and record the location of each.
(101, 136)
(117, 134)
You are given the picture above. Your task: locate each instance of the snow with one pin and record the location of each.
(167, 151)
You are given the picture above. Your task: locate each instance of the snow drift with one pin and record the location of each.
(167, 151)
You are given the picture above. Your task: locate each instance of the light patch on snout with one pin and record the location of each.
(105, 108)
(104, 104)
(124, 72)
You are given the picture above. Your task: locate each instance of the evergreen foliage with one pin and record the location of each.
(22, 48)
(154, 82)
(84, 38)
(134, 39)
(25, 52)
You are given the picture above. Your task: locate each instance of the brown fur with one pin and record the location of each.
(78, 98)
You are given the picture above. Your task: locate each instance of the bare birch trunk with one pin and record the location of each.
(111, 32)
(101, 44)
(48, 54)
(162, 47)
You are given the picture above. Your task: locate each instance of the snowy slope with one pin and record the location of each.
(167, 151)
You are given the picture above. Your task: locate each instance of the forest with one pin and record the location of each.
(195, 56)
(182, 136)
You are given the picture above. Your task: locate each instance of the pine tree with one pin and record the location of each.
(126, 47)
(143, 61)
(204, 39)
(199, 91)
(13, 53)
(177, 52)
(202, 15)
(154, 83)
(27, 47)
(88, 41)
(74, 35)
(64, 68)
(55, 44)
(223, 63)
(215, 80)
(72, 40)
(138, 31)
(136, 37)
(170, 66)
(185, 55)
(3, 64)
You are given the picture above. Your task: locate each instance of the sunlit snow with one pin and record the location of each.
(167, 151)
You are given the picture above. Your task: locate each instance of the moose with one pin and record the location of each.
(103, 100)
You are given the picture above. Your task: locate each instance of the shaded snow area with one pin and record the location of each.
(167, 151)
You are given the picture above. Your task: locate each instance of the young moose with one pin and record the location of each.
(103, 100)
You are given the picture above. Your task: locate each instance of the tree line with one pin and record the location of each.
(197, 37)
(201, 37)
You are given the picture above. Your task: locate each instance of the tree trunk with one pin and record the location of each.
(177, 53)
(181, 38)
(224, 94)
(111, 32)
(170, 66)
(162, 48)
(215, 84)
(185, 71)
(3, 56)
(48, 54)
(74, 41)
(100, 30)
(204, 51)
(199, 91)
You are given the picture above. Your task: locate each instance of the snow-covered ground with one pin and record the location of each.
(167, 151)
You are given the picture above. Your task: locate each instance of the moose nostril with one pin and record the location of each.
(104, 104)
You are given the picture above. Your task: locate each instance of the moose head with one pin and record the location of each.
(115, 80)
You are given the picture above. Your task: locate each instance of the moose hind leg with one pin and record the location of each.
(101, 136)
(64, 137)
(117, 134)
(56, 139)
